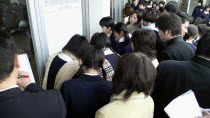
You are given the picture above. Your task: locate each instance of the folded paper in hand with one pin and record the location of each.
(184, 106)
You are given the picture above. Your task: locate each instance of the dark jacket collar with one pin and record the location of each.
(201, 61)
(175, 39)
(91, 78)
(10, 93)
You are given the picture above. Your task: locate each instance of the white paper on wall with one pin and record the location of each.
(63, 19)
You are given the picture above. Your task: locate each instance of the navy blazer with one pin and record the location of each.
(177, 77)
(85, 95)
(198, 11)
(34, 102)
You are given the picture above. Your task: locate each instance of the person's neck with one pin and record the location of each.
(8, 82)
(191, 38)
(90, 71)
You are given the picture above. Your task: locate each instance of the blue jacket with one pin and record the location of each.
(197, 12)
(83, 96)
(206, 16)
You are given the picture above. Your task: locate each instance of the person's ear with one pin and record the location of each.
(80, 62)
(16, 63)
(167, 32)
(121, 33)
(109, 29)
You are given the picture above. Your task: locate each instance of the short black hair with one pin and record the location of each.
(100, 40)
(134, 73)
(183, 16)
(171, 8)
(150, 16)
(162, 2)
(121, 27)
(92, 57)
(203, 47)
(144, 3)
(107, 22)
(202, 29)
(145, 41)
(75, 45)
(7, 54)
(169, 21)
(207, 6)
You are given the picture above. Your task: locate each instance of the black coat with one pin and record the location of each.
(34, 102)
(177, 49)
(177, 77)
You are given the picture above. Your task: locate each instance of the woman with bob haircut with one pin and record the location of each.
(101, 41)
(84, 95)
(144, 41)
(63, 65)
(134, 21)
(132, 85)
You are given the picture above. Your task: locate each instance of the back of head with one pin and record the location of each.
(162, 2)
(75, 45)
(134, 73)
(183, 16)
(202, 29)
(127, 11)
(92, 58)
(100, 40)
(203, 47)
(171, 7)
(168, 21)
(107, 22)
(7, 55)
(200, 20)
(120, 27)
(144, 41)
(192, 30)
(150, 16)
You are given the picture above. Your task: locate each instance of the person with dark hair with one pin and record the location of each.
(141, 5)
(202, 29)
(122, 38)
(33, 102)
(191, 35)
(162, 5)
(134, 21)
(101, 41)
(185, 18)
(169, 26)
(107, 24)
(132, 84)
(126, 13)
(199, 21)
(177, 77)
(63, 65)
(197, 12)
(149, 6)
(155, 3)
(205, 13)
(148, 23)
(171, 7)
(130, 3)
(144, 41)
(84, 95)
(149, 19)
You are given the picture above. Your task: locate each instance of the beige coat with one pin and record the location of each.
(66, 72)
(137, 106)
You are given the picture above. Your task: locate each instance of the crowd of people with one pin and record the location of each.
(131, 69)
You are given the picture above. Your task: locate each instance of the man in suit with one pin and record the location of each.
(177, 77)
(34, 102)
(169, 26)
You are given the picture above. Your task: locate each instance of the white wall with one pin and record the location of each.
(62, 20)
(97, 10)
